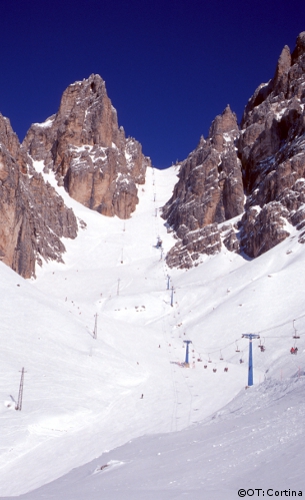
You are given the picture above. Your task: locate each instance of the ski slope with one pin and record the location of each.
(82, 396)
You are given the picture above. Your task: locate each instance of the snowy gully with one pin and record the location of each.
(269, 493)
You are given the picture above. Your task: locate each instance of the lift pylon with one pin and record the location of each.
(95, 328)
(20, 395)
(187, 342)
(250, 336)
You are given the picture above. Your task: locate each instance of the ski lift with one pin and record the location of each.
(209, 360)
(237, 350)
(295, 336)
(241, 358)
(221, 356)
(261, 346)
(226, 369)
(214, 370)
(199, 359)
(205, 366)
(294, 350)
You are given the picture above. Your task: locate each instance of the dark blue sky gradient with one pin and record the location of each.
(170, 66)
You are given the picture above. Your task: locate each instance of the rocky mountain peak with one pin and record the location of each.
(224, 130)
(88, 152)
(209, 191)
(299, 47)
(33, 217)
(89, 155)
(86, 109)
(262, 162)
(283, 66)
(8, 138)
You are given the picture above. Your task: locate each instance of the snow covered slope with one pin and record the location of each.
(82, 396)
(255, 443)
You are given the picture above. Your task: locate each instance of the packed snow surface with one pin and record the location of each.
(119, 416)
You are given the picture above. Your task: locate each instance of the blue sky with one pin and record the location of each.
(170, 66)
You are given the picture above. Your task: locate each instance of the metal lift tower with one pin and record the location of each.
(250, 336)
(95, 328)
(20, 395)
(168, 278)
(172, 297)
(187, 342)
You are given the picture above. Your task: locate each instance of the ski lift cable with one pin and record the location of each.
(183, 373)
(281, 324)
(174, 380)
(155, 235)
(257, 332)
(213, 350)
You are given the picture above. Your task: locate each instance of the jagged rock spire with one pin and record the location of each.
(89, 152)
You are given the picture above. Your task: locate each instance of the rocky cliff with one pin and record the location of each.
(33, 216)
(89, 155)
(88, 152)
(261, 162)
(272, 151)
(209, 191)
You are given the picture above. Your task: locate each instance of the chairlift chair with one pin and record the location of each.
(295, 335)
(221, 356)
(237, 350)
(261, 346)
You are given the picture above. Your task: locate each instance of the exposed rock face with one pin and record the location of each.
(88, 152)
(268, 168)
(209, 191)
(272, 150)
(33, 216)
